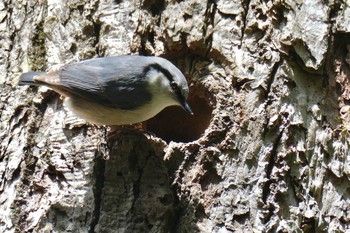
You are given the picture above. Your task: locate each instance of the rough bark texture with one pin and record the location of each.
(267, 149)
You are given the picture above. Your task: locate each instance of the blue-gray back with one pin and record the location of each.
(116, 82)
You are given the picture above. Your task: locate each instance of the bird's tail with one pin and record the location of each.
(28, 78)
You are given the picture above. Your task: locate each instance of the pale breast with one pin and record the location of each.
(102, 115)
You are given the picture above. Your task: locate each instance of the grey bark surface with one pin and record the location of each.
(266, 151)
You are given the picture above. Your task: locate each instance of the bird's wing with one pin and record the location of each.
(116, 82)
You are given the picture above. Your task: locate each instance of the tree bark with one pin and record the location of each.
(266, 151)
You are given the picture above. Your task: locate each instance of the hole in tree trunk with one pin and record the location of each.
(174, 124)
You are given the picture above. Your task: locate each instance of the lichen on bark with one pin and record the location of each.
(266, 151)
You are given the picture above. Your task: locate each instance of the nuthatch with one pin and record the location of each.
(116, 90)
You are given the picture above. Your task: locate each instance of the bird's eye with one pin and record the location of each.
(174, 85)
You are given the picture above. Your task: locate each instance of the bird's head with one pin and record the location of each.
(167, 82)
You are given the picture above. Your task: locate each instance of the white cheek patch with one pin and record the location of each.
(157, 79)
(158, 82)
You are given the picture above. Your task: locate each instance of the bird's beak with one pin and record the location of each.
(185, 106)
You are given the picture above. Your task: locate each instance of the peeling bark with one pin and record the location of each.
(266, 151)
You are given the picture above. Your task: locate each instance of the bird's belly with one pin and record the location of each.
(102, 115)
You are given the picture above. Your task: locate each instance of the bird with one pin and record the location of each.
(116, 90)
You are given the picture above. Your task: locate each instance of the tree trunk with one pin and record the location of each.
(266, 151)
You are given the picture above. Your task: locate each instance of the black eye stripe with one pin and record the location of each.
(161, 69)
(174, 86)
